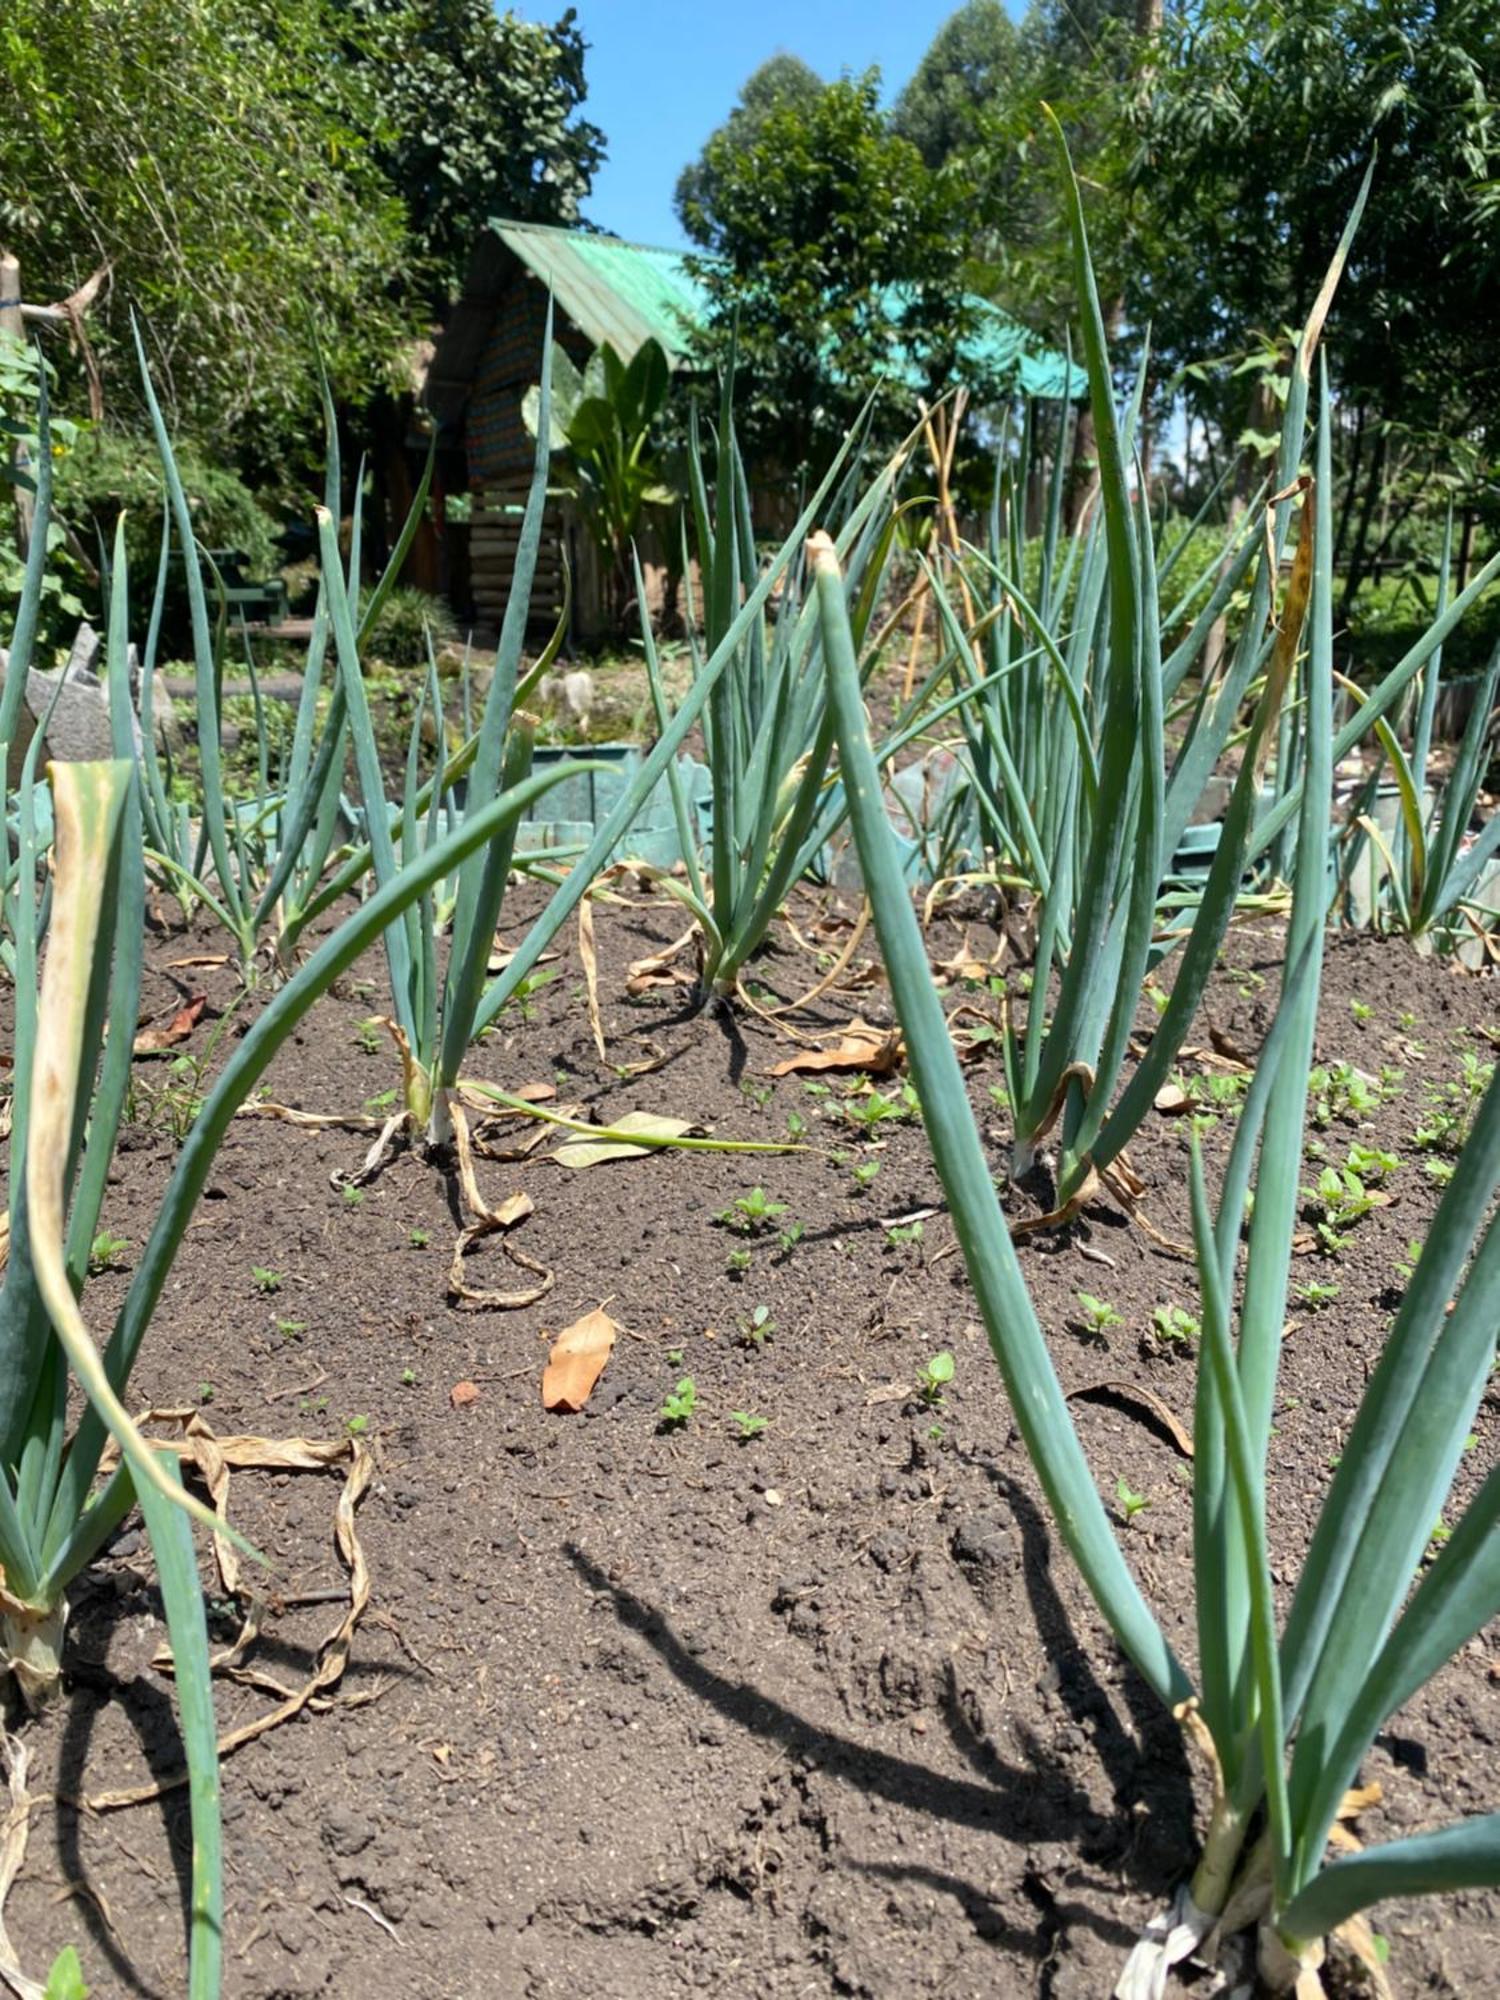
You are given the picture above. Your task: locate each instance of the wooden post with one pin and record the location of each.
(11, 327)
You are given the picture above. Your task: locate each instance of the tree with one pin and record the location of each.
(197, 153)
(1251, 143)
(783, 82)
(971, 64)
(836, 255)
(478, 118)
(255, 175)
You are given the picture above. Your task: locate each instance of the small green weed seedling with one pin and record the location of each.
(1406, 1266)
(751, 1213)
(1130, 1503)
(790, 1237)
(758, 1328)
(747, 1426)
(796, 1127)
(1340, 1091)
(1097, 1315)
(759, 1094)
(1362, 1011)
(382, 1102)
(680, 1405)
(1370, 1163)
(408, 1378)
(65, 1981)
(873, 1109)
(901, 1233)
(1315, 1295)
(737, 1262)
(934, 1377)
(354, 1197)
(1451, 1106)
(206, 1392)
(864, 1175)
(356, 1426)
(1175, 1326)
(291, 1329)
(265, 1281)
(1343, 1198)
(419, 1239)
(367, 1036)
(106, 1251)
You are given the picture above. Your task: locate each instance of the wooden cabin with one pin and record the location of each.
(490, 353)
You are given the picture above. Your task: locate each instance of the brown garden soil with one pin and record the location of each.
(638, 1711)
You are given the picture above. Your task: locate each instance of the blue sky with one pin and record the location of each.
(663, 73)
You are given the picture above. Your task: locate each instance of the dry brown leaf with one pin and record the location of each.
(584, 1152)
(661, 968)
(501, 955)
(964, 965)
(590, 957)
(202, 959)
(463, 1394)
(577, 1361)
(489, 1221)
(151, 1041)
(1172, 1100)
(1229, 1050)
(213, 1456)
(877, 1051)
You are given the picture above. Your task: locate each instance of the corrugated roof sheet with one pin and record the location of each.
(627, 293)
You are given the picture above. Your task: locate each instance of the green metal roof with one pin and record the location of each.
(627, 293)
(623, 293)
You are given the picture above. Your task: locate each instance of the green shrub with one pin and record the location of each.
(399, 635)
(110, 471)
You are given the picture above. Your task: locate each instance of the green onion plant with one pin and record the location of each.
(1289, 1713)
(259, 863)
(60, 1499)
(766, 727)
(1426, 873)
(1081, 784)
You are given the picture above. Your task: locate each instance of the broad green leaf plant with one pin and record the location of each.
(1288, 1712)
(603, 418)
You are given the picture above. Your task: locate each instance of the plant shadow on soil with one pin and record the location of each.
(1007, 1801)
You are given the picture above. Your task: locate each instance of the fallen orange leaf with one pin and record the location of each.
(577, 1361)
(462, 1394)
(151, 1041)
(876, 1050)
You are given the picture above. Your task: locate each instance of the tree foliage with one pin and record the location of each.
(192, 149)
(973, 62)
(785, 82)
(1248, 148)
(478, 118)
(837, 255)
(252, 171)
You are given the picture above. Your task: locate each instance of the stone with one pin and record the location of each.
(79, 730)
